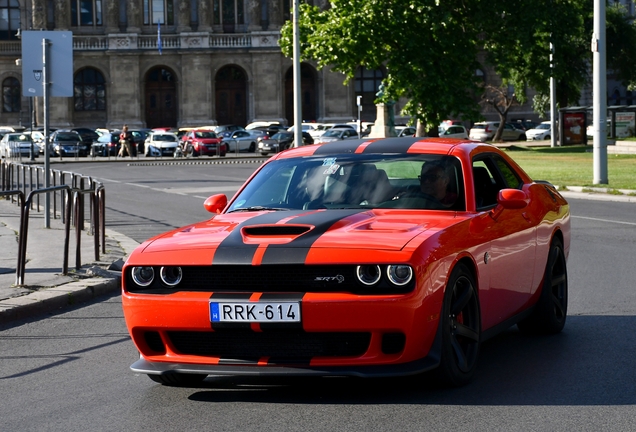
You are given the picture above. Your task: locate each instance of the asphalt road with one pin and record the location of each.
(70, 371)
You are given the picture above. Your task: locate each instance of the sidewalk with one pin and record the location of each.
(45, 289)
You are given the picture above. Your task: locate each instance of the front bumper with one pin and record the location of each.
(341, 334)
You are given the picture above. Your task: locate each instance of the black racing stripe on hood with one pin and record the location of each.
(295, 252)
(232, 250)
(392, 145)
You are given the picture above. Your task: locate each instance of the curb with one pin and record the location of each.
(50, 299)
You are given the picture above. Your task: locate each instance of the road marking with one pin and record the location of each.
(605, 220)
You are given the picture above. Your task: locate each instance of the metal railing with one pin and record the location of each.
(67, 192)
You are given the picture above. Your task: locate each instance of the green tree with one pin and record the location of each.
(428, 47)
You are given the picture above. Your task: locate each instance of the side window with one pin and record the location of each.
(484, 184)
(510, 177)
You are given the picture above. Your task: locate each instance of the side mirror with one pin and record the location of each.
(513, 198)
(510, 199)
(216, 203)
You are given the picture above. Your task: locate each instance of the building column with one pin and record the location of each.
(183, 17)
(38, 15)
(62, 15)
(111, 18)
(133, 15)
(205, 15)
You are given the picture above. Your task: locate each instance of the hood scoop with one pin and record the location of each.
(273, 234)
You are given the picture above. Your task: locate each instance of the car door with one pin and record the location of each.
(511, 238)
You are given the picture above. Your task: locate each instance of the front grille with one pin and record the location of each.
(270, 278)
(289, 345)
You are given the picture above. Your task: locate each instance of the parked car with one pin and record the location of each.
(452, 131)
(336, 134)
(65, 142)
(281, 141)
(159, 144)
(403, 131)
(225, 131)
(242, 140)
(204, 142)
(525, 125)
(88, 136)
(107, 144)
(485, 131)
(540, 132)
(14, 145)
(336, 252)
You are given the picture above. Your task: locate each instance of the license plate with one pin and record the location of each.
(255, 312)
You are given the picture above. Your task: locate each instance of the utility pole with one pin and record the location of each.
(599, 117)
(298, 127)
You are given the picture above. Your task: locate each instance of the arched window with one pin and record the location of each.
(11, 95)
(90, 90)
(86, 13)
(158, 11)
(9, 19)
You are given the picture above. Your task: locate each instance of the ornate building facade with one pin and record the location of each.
(153, 63)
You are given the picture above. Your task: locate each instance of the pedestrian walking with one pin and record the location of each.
(126, 143)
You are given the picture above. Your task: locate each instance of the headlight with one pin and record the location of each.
(143, 276)
(171, 276)
(368, 274)
(399, 274)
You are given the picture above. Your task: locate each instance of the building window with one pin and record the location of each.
(86, 13)
(90, 90)
(11, 95)
(228, 12)
(367, 83)
(158, 11)
(9, 19)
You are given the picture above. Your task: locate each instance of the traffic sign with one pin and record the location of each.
(59, 67)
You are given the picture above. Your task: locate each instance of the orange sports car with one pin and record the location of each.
(369, 257)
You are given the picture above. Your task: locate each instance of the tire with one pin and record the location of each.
(548, 137)
(523, 137)
(550, 312)
(252, 148)
(178, 379)
(461, 328)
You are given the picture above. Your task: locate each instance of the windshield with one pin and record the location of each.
(332, 133)
(206, 134)
(67, 137)
(543, 126)
(164, 138)
(355, 181)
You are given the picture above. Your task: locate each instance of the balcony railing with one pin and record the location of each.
(181, 41)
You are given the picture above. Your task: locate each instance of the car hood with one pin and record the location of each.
(291, 236)
(163, 144)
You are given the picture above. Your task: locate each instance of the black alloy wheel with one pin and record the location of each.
(461, 328)
(550, 312)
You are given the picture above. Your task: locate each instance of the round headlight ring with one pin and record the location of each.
(143, 276)
(171, 276)
(369, 274)
(399, 274)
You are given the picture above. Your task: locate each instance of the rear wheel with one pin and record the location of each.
(178, 379)
(252, 148)
(461, 328)
(550, 312)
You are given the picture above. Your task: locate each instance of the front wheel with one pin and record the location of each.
(550, 312)
(178, 379)
(461, 328)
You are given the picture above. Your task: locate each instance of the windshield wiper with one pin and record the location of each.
(257, 208)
